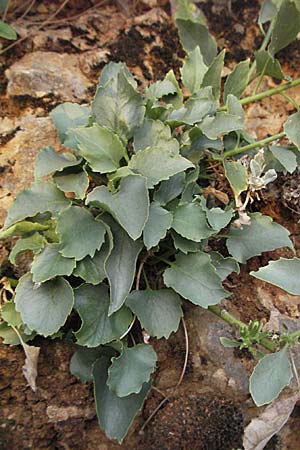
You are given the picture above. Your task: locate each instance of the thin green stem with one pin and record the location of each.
(245, 148)
(265, 94)
(229, 318)
(263, 46)
(291, 100)
(261, 77)
(146, 279)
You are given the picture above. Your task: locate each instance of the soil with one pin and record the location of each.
(61, 414)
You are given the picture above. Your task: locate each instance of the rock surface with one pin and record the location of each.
(47, 73)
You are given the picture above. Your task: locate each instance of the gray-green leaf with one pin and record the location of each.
(50, 263)
(68, 116)
(195, 278)
(157, 225)
(118, 106)
(284, 273)
(222, 123)
(129, 205)
(76, 182)
(40, 198)
(193, 70)
(285, 156)
(190, 222)
(158, 164)
(224, 266)
(121, 265)
(272, 374)
(262, 235)
(159, 312)
(286, 26)
(129, 371)
(32, 243)
(82, 361)
(237, 80)
(102, 148)
(48, 161)
(44, 308)
(154, 133)
(213, 75)
(115, 414)
(77, 221)
(268, 65)
(92, 304)
(193, 34)
(170, 189)
(236, 174)
(292, 129)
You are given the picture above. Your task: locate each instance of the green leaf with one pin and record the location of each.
(115, 414)
(229, 343)
(193, 34)
(82, 361)
(112, 69)
(190, 222)
(76, 222)
(10, 315)
(129, 205)
(286, 157)
(214, 73)
(44, 308)
(32, 243)
(267, 11)
(292, 129)
(268, 65)
(50, 263)
(193, 70)
(237, 80)
(77, 182)
(186, 245)
(129, 371)
(157, 225)
(48, 161)
(237, 175)
(7, 31)
(234, 106)
(170, 189)
(102, 148)
(23, 228)
(10, 337)
(92, 304)
(284, 273)
(262, 235)
(118, 106)
(175, 100)
(154, 133)
(224, 266)
(218, 218)
(159, 312)
(286, 26)
(41, 197)
(158, 164)
(222, 123)
(160, 89)
(67, 116)
(272, 374)
(195, 278)
(92, 270)
(196, 107)
(121, 265)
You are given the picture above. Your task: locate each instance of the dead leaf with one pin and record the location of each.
(221, 196)
(261, 429)
(30, 367)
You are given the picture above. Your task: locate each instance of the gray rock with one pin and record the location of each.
(40, 74)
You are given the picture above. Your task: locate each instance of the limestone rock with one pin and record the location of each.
(47, 73)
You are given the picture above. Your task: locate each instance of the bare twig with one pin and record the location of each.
(27, 10)
(37, 29)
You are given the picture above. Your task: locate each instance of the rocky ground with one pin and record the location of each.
(60, 59)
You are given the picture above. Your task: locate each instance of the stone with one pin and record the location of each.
(18, 156)
(39, 74)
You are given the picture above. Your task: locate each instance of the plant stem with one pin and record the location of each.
(265, 94)
(229, 318)
(263, 46)
(245, 148)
